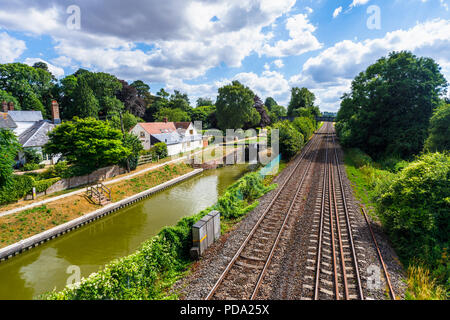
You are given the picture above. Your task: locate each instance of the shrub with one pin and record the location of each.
(43, 185)
(33, 166)
(414, 208)
(305, 126)
(291, 141)
(61, 169)
(439, 138)
(159, 150)
(20, 186)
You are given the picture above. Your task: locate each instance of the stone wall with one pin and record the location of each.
(94, 177)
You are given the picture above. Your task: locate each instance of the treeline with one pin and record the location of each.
(397, 112)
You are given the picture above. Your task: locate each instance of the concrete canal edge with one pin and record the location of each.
(36, 240)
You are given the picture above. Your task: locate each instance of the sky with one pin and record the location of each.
(198, 46)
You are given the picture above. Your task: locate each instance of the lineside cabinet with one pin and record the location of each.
(204, 233)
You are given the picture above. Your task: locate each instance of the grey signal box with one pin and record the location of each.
(204, 233)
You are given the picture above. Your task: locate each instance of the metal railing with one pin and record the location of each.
(98, 192)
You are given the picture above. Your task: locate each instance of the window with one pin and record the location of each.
(191, 132)
(142, 134)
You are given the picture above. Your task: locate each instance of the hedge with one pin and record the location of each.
(43, 185)
(148, 273)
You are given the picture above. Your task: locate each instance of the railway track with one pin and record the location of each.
(243, 276)
(333, 256)
(332, 259)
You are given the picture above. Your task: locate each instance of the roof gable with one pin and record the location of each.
(6, 122)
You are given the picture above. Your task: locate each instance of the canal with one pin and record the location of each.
(49, 266)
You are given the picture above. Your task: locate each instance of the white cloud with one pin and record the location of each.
(330, 73)
(301, 39)
(10, 48)
(56, 71)
(337, 12)
(356, 3)
(278, 63)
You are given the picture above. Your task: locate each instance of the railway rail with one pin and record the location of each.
(244, 274)
(332, 270)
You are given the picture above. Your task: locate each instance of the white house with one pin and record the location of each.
(179, 137)
(30, 128)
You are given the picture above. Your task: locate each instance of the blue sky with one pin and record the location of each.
(198, 46)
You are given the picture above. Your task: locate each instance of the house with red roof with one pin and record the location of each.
(179, 137)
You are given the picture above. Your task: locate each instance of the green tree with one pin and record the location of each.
(5, 96)
(132, 143)
(9, 147)
(235, 107)
(204, 102)
(28, 85)
(439, 138)
(300, 99)
(142, 88)
(129, 121)
(172, 115)
(180, 101)
(276, 112)
(270, 103)
(205, 115)
(87, 143)
(390, 106)
(305, 126)
(84, 102)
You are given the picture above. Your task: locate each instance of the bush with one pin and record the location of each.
(159, 150)
(305, 126)
(32, 166)
(20, 186)
(61, 169)
(439, 138)
(43, 185)
(414, 209)
(291, 141)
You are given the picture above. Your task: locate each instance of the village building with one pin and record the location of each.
(30, 128)
(179, 137)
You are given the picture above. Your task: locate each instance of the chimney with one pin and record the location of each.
(165, 120)
(55, 112)
(4, 107)
(11, 106)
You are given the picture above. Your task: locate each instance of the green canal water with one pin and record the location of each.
(51, 265)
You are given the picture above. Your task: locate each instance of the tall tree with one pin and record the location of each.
(263, 112)
(270, 102)
(203, 102)
(27, 84)
(300, 98)
(388, 110)
(143, 89)
(84, 102)
(439, 139)
(235, 107)
(130, 98)
(172, 115)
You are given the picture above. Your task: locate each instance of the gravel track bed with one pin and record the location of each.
(288, 271)
(204, 273)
